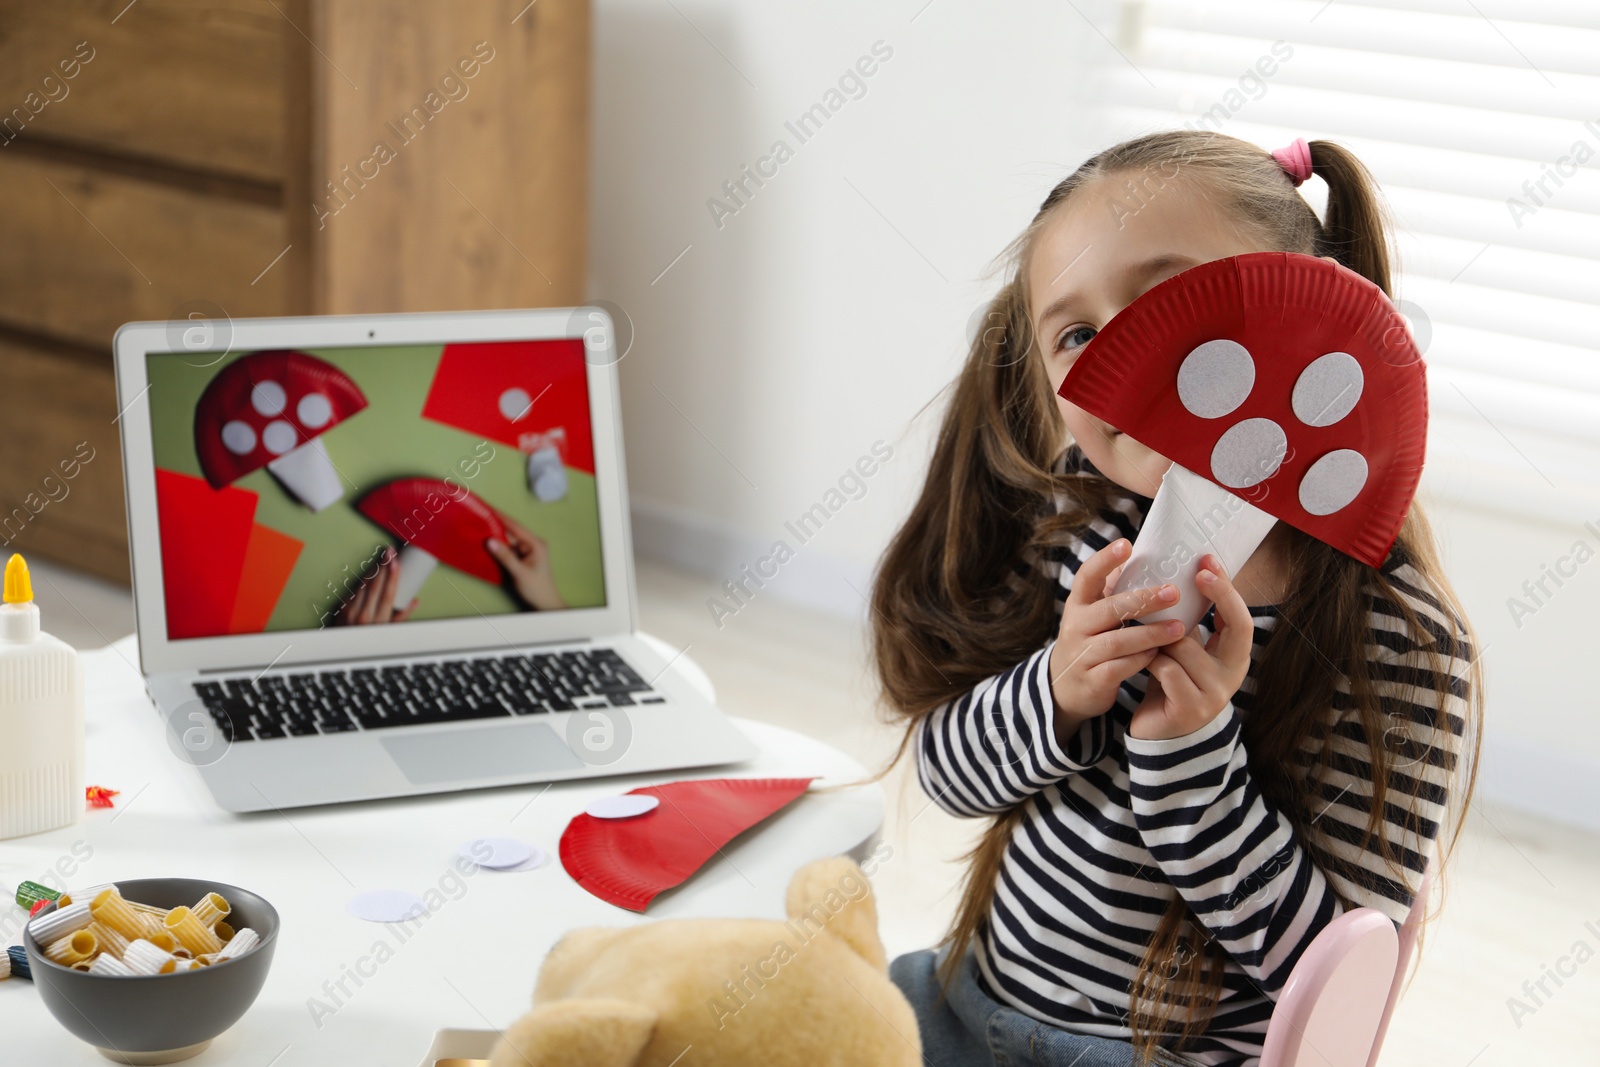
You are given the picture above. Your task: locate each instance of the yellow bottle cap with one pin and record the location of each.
(19, 587)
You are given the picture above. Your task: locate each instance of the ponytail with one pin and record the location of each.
(1354, 230)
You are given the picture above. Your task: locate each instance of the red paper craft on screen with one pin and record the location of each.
(518, 393)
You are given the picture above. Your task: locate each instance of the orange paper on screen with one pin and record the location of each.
(269, 556)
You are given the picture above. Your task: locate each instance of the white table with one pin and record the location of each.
(309, 863)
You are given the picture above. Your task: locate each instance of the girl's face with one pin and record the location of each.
(1097, 252)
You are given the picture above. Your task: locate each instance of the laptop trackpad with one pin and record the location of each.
(487, 752)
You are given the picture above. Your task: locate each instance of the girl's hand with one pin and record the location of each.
(526, 561)
(1190, 685)
(1094, 653)
(374, 598)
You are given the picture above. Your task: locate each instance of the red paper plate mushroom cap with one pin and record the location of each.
(1286, 379)
(265, 405)
(629, 862)
(444, 520)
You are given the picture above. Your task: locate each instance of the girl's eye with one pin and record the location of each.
(1076, 337)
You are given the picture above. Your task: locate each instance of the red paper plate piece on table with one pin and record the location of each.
(437, 522)
(628, 862)
(1287, 379)
(270, 409)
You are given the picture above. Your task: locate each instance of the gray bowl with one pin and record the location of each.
(160, 1018)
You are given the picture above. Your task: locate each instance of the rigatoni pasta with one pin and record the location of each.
(144, 958)
(111, 910)
(60, 923)
(212, 909)
(109, 964)
(242, 942)
(111, 942)
(69, 898)
(99, 931)
(68, 950)
(191, 933)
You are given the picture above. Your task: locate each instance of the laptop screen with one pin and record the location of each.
(298, 489)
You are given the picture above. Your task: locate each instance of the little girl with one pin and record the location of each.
(1174, 817)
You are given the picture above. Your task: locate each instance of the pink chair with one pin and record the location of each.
(1334, 1011)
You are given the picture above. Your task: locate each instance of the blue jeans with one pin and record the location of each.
(968, 1028)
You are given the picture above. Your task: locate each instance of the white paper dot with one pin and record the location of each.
(279, 437)
(497, 852)
(314, 411)
(268, 398)
(238, 437)
(1216, 378)
(1333, 481)
(625, 806)
(532, 863)
(1248, 453)
(1327, 390)
(514, 403)
(386, 906)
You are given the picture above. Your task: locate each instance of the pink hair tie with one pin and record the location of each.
(1295, 159)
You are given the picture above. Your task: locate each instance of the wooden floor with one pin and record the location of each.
(1523, 899)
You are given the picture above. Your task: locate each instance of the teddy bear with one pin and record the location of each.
(814, 990)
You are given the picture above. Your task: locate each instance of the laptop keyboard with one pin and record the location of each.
(300, 704)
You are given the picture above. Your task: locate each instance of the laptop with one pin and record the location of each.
(376, 556)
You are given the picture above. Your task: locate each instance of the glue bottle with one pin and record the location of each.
(41, 717)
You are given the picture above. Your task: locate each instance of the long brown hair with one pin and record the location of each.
(957, 599)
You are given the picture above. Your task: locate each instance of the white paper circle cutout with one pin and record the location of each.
(314, 411)
(238, 437)
(497, 853)
(532, 863)
(1333, 481)
(268, 398)
(1248, 453)
(1215, 378)
(279, 437)
(514, 403)
(625, 806)
(1327, 390)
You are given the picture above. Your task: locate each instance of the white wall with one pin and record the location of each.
(825, 313)
(1510, 507)
(808, 326)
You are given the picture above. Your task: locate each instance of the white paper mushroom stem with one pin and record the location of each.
(309, 475)
(415, 566)
(1189, 517)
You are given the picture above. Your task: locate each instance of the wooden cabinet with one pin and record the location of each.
(261, 157)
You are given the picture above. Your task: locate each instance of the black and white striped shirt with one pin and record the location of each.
(1115, 826)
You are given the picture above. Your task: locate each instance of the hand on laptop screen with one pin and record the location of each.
(526, 561)
(373, 600)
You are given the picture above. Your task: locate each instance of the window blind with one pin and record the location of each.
(1481, 121)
